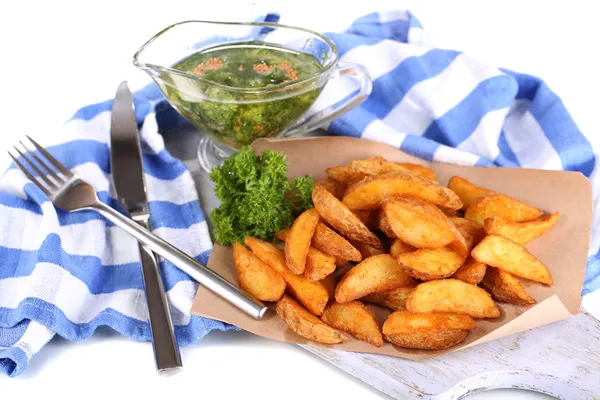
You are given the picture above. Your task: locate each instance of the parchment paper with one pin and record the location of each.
(564, 249)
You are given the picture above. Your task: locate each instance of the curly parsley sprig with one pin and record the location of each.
(256, 197)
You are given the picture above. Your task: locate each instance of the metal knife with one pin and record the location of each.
(128, 177)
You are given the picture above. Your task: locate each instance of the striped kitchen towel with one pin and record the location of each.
(69, 273)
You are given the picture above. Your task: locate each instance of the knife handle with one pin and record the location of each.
(166, 351)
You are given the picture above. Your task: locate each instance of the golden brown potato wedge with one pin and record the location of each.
(329, 283)
(342, 219)
(329, 241)
(332, 186)
(372, 190)
(368, 217)
(394, 299)
(373, 274)
(305, 324)
(374, 166)
(426, 331)
(421, 170)
(500, 205)
(429, 264)
(506, 287)
(418, 223)
(452, 296)
(298, 240)
(471, 272)
(340, 262)
(355, 319)
(500, 252)
(257, 278)
(312, 294)
(344, 175)
(399, 247)
(466, 191)
(520, 232)
(318, 265)
(384, 225)
(367, 250)
(471, 231)
(428, 340)
(449, 212)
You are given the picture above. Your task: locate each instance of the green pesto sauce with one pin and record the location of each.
(257, 65)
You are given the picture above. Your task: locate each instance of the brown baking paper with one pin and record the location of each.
(564, 249)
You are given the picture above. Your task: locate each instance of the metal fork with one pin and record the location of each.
(67, 191)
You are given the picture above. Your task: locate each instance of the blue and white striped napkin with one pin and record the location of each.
(67, 274)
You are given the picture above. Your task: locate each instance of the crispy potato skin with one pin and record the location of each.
(399, 247)
(298, 240)
(373, 274)
(384, 225)
(506, 287)
(400, 322)
(330, 242)
(466, 191)
(471, 272)
(332, 186)
(344, 175)
(500, 252)
(421, 170)
(355, 319)
(318, 265)
(452, 296)
(429, 264)
(374, 166)
(366, 250)
(520, 232)
(342, 219)
(428, 340)
(256, 278)
(418, 223)
(471, 231)
(394, 299)
(371, 191)
(496, 204)
(305, 324)
(368, 217)
(311, 294)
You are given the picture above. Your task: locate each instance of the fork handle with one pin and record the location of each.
(210, 279)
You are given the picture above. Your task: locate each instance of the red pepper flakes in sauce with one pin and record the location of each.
(210, 65)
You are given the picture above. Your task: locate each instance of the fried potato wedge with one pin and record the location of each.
(355, 319)
(329, 283)
(421, 170)
(506, 287)
(332, 186)
(373, 274)
(520, 232)
(299, 239)
(371, 191)
(399, 247)
(368, 217)
(418, 223)
(340, 262)
(384, 225)
(305, 324)
(394, 299)
(426, 331)
(375, 166)
(500, 205)
(466, 191)
(449, 212)
(500, 252)
(471, 272)
(471, 231)
(452, 296)
(329, 241)
(429, 264)
(339, 216)
(428, 340)
(318, 263)
(311, 294)
(344, 175)
(257, 278)
(366, 250)
(400, 322)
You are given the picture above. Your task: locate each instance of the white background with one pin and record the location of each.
(58, 56)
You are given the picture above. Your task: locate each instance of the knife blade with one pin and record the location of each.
(128, 178)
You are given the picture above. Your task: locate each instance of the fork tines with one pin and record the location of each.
(43, 169)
